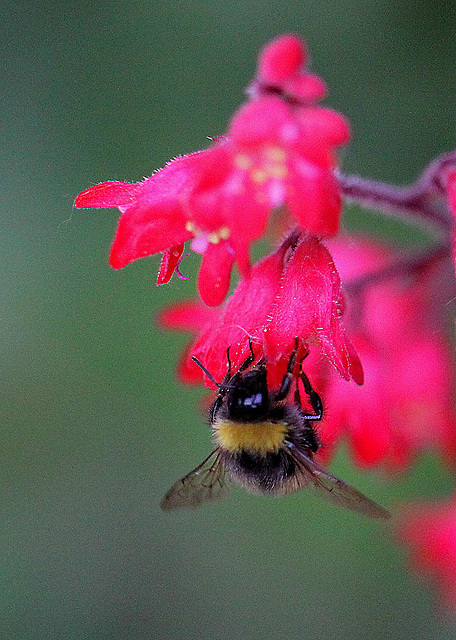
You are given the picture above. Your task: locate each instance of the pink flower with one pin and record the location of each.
(430, 531)
(155, 217)
(288, 156)
(451, 190)
(406, 404)
(281, 70)
(277, 153)
(404, 407)
(294, 292)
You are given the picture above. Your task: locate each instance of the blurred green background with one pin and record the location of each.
(94, 426)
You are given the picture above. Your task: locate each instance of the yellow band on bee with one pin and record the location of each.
(256, 437)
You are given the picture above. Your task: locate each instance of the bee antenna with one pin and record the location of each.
(204, 370)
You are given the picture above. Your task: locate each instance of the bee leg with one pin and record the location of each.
(224, 385)
(222, 390)
(216, 406)
(314, 398)
(249, 360)
(227, 375)
(288, 377)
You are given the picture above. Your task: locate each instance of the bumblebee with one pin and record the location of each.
(265, 442)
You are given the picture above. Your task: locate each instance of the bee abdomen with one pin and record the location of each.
(269, 473)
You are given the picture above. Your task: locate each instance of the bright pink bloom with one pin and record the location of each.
(405, 406)
(155, 217)
(288, 156)
(280, 70)
(406, 403)
(294, 292)
(430, 530)
(278, 152)
(451, 189)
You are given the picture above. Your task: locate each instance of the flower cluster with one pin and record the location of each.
(292, 293)
(279, 150)
(369, 322)
(430, 530)
(451, 190)
(406, 405)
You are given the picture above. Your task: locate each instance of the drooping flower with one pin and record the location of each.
(451, 192)
(397, 327)
(278, 151)
(292, 293)
(404, 408)
(288, 154)
(281, 70)
(430, 531)
(156, 217)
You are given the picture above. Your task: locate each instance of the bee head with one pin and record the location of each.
(247, 398)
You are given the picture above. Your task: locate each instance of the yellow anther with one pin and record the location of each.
(276, 154)
(242, 161)
(224, 233)
(213, 238)
(259, 176)
(190, 226)
(278, 171)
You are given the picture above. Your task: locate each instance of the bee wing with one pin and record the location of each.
(334, 489)
(206, 483)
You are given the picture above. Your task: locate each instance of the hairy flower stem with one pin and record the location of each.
(420, 204)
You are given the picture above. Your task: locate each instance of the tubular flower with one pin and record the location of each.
(280, 150)
(451, 190)
(405, 405)
(403, 409)
(293, 293)
(281, 70)
(288, 155)
(430, 531)
(156, 216)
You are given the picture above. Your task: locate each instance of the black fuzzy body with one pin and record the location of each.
(248, 401)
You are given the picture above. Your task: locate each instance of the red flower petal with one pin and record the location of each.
(321, 126)
(430, 530)
(308, 306)
(190, 315)
(143, 230)
(170, 260)
(260, 122)
(281, 58)
(314, 199)
(109, 194)
(305, 87)
(215, 272)
(242, 318)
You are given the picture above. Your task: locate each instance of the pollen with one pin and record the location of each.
(269, 164)
(278, 171)
(213, 237)
(276, 154)
(242, 161)
(259, 176)
(256, 437)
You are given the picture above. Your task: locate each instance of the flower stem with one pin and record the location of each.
(421, 203)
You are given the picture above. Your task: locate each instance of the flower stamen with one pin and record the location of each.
(203, 237)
